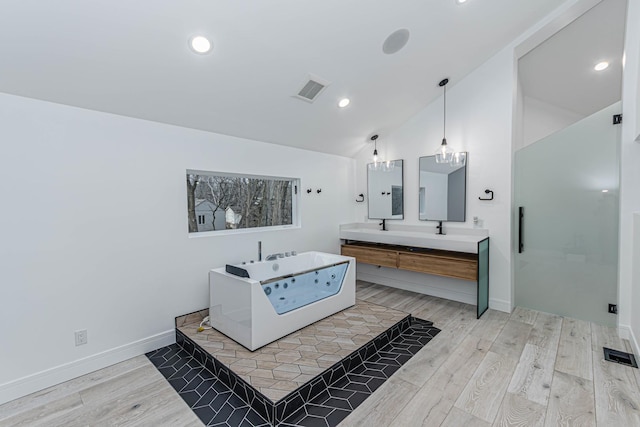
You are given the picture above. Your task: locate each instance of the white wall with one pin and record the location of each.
(480, 114)
(541, 119)
(479, 110)
(94, 232)
(629, 291)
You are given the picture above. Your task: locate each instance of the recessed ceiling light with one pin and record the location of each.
(601, 66)
(200, 44)
(344, 102)
(605, 191)
(461, 1)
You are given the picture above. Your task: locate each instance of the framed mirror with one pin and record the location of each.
(384, 186)
(443, 191)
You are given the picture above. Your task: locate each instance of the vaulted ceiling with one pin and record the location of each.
(132, 58)
(560, 71)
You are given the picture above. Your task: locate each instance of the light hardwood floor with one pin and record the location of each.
(524, 369)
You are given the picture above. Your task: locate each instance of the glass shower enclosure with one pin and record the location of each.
(566, 217)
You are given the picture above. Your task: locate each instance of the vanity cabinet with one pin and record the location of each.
(458, 265)
(370, 254)
(441, 263)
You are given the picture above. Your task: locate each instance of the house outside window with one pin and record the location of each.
(221, 201)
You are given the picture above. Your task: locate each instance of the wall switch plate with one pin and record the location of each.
(81, 337)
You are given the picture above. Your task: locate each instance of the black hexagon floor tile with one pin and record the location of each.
(213, 402)
(217, 405)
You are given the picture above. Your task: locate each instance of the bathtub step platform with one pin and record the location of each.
(324, 370)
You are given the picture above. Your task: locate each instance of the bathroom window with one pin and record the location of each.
(221, 201)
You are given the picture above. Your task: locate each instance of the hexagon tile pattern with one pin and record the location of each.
(284, 365)
(220, 396)
(212, 401)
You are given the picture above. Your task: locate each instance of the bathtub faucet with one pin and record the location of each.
(274, 257)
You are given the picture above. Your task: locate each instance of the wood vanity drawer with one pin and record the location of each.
(368, 255)
(466, 269)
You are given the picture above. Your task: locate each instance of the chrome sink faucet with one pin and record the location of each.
(273, 257)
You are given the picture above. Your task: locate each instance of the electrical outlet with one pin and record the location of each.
(81, 337)
(613, 308)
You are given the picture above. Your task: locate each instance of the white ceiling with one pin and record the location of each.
(560, 70)
(131, 58)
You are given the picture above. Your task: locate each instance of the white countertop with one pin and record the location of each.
(456, 239)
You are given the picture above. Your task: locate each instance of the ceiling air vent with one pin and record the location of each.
(311, 88)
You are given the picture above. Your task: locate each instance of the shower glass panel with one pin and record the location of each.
(567, 185)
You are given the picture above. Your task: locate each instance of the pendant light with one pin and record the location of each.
(374, 138)
(444, 154)
(376, 161)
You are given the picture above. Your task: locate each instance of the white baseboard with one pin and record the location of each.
(626, 333)
(56, 375)
(500, 305)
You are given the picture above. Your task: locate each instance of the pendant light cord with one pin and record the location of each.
(444, 122)
(443, 85)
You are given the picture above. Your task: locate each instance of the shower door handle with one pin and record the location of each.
(520, 229)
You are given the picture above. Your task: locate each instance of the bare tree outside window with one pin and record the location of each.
(217, 201)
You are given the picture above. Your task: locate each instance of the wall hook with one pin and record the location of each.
(487, 191)
(309, 190)
(360, 198)
(319, 190)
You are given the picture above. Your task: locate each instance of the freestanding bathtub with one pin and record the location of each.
(279, 296)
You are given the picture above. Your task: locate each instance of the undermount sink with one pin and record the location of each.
(422, 237)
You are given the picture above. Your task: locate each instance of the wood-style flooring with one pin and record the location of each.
(524, 369)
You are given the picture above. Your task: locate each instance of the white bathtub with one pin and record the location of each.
(280, 296)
